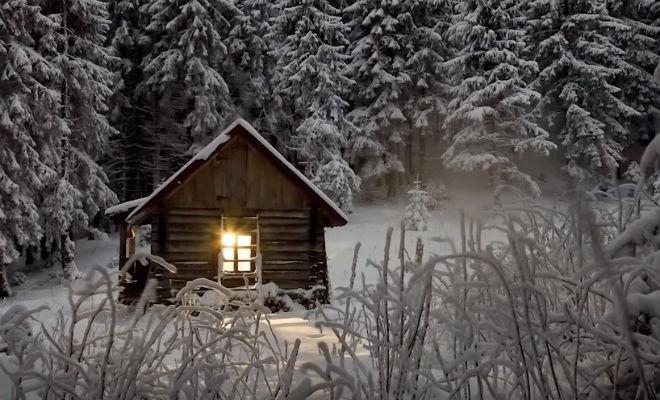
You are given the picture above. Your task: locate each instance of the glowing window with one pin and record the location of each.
(237, 252)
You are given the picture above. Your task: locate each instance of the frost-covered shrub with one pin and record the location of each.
(18, 278)
(562, 305)
(98, 350)
(97, 234)
(632, 173)
(15, 330)
(438, 193)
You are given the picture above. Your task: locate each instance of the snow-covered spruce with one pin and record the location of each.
(129, 163)
(75, 45)
(250, 75)
(417, 214)
(28, 103)
(311, 82)
(183, 86)
(489, 120)
(582, 68)
(378, 50)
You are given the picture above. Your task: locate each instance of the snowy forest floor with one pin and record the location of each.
(368, 225)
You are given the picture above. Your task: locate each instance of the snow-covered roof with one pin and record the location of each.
(123, 207)
(203, 155)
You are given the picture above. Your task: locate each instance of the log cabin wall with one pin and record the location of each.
(239, 183)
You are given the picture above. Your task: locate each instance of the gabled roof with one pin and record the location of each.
(240, 127)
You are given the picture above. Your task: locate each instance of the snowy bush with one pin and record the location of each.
(531, 302)
(99, 350)
(547, 311)
(632, 173)
(18, 278)
(438, 193)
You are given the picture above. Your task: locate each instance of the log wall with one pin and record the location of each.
(292, 245)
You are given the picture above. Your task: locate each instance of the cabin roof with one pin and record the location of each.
(144, 206)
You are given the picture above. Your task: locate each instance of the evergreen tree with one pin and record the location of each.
(76, 47)
(580, 65)
(29, 122)
(417, 214)
(426, 92)
(489, 116)
(250, 67)
(379, 52)
(396, 51)
(311, 82)
(183, 83)
(129, 161)
(636, 35)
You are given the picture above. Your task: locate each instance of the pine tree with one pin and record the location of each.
(489, 117)
(311, 82)
(640, 40)
(580, 65)
(396, 51)
(379, 52)
(29, 124)
(182, 74)
(129, 161)
(426, 92)
(77, 48)
(417, 214)
(250, 67)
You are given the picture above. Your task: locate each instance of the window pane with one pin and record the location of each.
(244, 266)
(228, 239)
(228, 253)
(244, 254)
(228, 266)
(244, 240)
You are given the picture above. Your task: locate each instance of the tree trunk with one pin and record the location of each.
(5, 290)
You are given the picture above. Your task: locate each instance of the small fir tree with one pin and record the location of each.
(417, 214)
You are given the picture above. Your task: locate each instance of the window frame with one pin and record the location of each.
(236, 260)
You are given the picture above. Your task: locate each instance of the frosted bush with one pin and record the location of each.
(547, 312)
(98, 350)
(438, 193)
(18, 278)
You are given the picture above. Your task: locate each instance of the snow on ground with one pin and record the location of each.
(368, 225)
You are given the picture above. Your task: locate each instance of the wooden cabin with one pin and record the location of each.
(238, 209)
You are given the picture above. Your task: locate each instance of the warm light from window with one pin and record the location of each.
(228, 253)
(228, 239)
(236, 252)
(244, 240)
